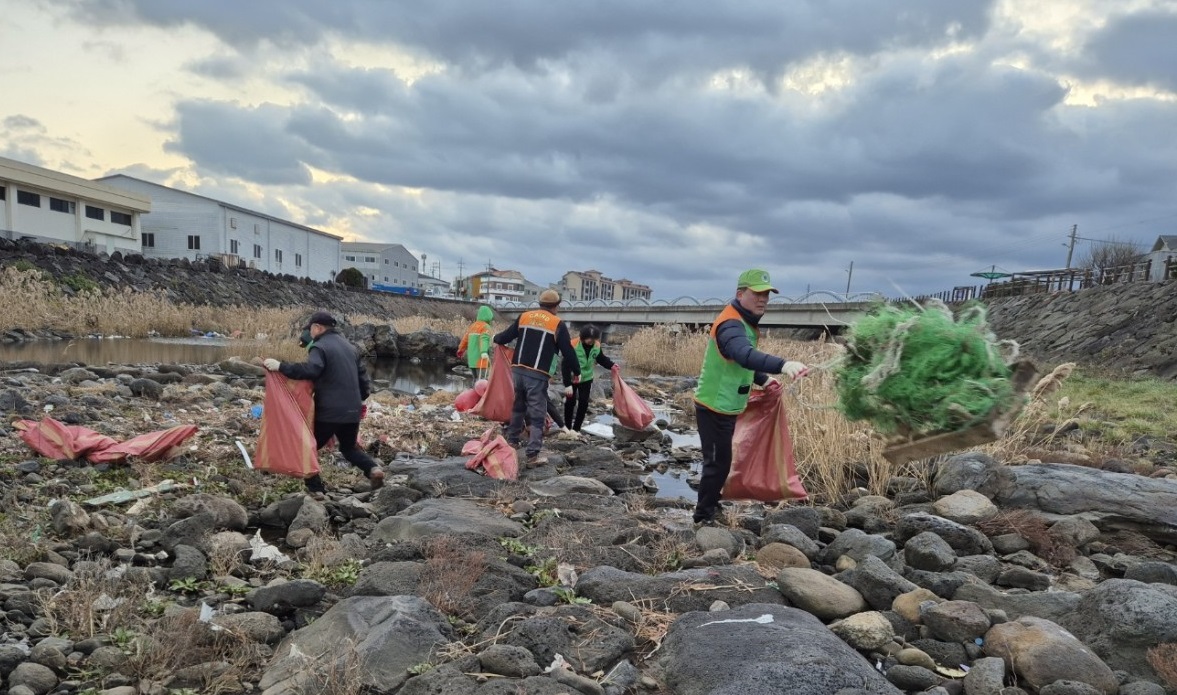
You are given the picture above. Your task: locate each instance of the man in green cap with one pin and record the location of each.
(731, 364)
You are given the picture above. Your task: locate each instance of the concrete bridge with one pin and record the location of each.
(828, 312)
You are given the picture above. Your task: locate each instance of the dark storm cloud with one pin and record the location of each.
(1138, 48)
(648, 37)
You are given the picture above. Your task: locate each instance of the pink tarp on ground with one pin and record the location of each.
(57, 440)
(492, 456)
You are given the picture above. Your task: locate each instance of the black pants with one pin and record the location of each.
(345, 434)
(578, 404)
(715, 436)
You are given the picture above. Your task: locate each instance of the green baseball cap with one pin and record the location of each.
(756, 280)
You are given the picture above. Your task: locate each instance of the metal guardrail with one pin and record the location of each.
(1054, 281)
(828, 297)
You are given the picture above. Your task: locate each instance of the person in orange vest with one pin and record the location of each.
(475, 345)
(589, 355)
(537, 334)
(731, 364)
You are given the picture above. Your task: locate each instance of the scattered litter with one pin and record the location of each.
(245, 453)
(760, 620)
(105, 602)
(566, 573)
(599, 430)
(558, 663)
(951, 672)
(255, 412)
(127, 495)
(263, 550)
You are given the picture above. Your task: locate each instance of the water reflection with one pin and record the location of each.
(401, 375)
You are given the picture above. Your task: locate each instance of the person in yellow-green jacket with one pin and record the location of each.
(588, 352)
(475, 345)
(731, 364)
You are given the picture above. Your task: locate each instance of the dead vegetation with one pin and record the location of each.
(1044, 542)
(450, 573)
(1163, 659)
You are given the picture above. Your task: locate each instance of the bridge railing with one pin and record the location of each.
(818, 297)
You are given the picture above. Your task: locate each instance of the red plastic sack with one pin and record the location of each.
(762, 454)
(499, 400)
(286, 444)
(628, 406)
(492, 456)
(466, 400)
(57, 440)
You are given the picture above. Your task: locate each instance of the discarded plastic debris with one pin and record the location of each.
(256, 412)
(760, 620)
(558, 663)
(127, 495)
(263, 550)
(248, 461)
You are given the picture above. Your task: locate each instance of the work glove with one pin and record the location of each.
(461, 354)
(485, 356)
(794, 370)
(616, 369)
(773, 388)
(363, 410)
(568, 392)
(271, 364)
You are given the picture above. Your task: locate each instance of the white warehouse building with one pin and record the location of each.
(187, 225)
(381, 264)
(50, 206)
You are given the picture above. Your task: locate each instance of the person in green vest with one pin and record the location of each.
(475, 345)
(588, 352)
(731, 365)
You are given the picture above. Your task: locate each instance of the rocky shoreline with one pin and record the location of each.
(971, 577)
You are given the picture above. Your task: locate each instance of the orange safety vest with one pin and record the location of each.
(536, 345)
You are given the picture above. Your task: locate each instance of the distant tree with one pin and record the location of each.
(351, 277)
(1113, 260)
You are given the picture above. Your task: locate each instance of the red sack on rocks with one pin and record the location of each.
(286, 444)
(498, 401)
(762, 454)
(493, 455)
(57, 440)
(628, 406)
(466, 400)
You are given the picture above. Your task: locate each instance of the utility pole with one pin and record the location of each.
(1071, 247)
(849, 274)
(461, 288)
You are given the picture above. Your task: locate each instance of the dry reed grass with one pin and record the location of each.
(1045, 543)
(450, 573)
(455, 326)
(39, 304)
(95, 601)
(1163, 659)
(182, 641)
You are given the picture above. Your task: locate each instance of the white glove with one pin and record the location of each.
(794, 370)
(485, 356)
(271, 364)
(568, 392)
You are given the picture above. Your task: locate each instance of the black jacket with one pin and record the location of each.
(734, 345)
(341, 382)
(537, 346)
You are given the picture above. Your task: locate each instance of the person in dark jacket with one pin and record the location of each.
(731, 364)
(589, 355)
(537, 335)
(341, 387)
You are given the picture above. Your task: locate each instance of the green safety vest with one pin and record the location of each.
(724, 386)
(587, 360)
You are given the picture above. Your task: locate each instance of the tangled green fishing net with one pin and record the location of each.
(921, 371)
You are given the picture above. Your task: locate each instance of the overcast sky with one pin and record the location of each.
(672, 143)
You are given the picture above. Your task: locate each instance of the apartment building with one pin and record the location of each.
(591, 284)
